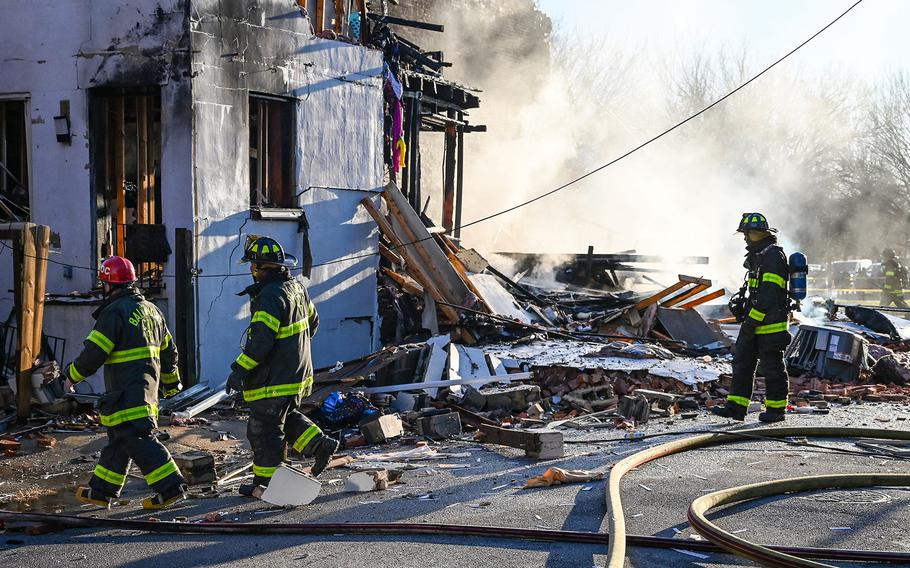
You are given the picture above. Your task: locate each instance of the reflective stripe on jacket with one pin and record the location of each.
(894, 277)
(768, 300)
(276, 360)
(131, 340)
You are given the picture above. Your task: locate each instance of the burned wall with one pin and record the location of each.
(502, 48)
(51, 54)
(335, 91)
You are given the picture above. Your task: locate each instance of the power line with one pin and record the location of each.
(563, 186)
(668, 130)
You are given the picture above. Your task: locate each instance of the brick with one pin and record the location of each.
(510, 398)
(537, 443)
(9, 447)
(197, 467)
(382, 429)
(439, 426)
(47, 442)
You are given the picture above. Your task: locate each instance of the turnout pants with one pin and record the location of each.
(132, 441)
(897, 299)
(274, 422)
(766, 353)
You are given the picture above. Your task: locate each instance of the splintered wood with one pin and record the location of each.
(423, 264)
(687, 288)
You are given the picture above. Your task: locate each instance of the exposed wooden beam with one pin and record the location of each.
(26, 253)
(319, 20)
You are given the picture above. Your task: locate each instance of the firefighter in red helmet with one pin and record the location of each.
(131, 340)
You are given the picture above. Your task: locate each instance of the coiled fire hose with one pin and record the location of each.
(764, 555)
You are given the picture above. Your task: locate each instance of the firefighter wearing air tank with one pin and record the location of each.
(763, 307)
(894, 277)
(133, 343)
(275, 369)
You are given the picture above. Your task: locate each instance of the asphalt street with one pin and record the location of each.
(487, 491)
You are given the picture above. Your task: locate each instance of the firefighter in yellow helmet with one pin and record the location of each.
(275, 368)
(763, 307)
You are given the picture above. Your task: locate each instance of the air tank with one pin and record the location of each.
(799, 271)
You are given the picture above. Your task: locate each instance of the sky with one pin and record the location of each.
(870, 41)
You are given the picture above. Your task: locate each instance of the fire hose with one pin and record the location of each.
(437, 530)
(757, 552)
(617, 539)
(762, 554)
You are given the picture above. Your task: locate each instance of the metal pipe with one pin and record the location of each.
(451, 383)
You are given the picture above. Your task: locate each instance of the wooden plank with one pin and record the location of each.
(407, 284)
(362, 6)
(448, 174)
(703, 299)
(428, 265)
(391, 255)
(26, 322)
(413, 267)
(319, 20)
(497, 298)
(117, 134)
(660, 295)
(185, 331)
(42, 236)
(697, 289)
(694, 280)
(339, 18)
(151, 144)
(141, 160)
(432, 258)
(460, 269)
(447, 245)
(459, 176)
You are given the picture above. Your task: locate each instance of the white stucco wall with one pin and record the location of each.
(53, 50)
(268, 48)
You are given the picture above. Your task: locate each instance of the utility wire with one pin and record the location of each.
(668, 130)
(563, 186)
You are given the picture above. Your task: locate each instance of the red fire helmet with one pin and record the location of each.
(117, 270)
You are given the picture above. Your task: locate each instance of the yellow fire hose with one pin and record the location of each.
(760, 553)
(617, 523)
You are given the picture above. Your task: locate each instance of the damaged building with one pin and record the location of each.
(166, 131)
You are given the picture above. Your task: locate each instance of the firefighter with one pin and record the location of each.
(763, 307)
(275, 369)
(894, 277)
(131, 340)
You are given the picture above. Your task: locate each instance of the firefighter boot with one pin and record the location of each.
(323, 454)
(93, 496)
(730, 410)
(165, 500)
(772, 415)
(250, 489)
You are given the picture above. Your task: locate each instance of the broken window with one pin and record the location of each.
(271, 152)
(125, 130)
(13, 162)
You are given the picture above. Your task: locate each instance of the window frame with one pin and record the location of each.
(25, 99)
(263, 107)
